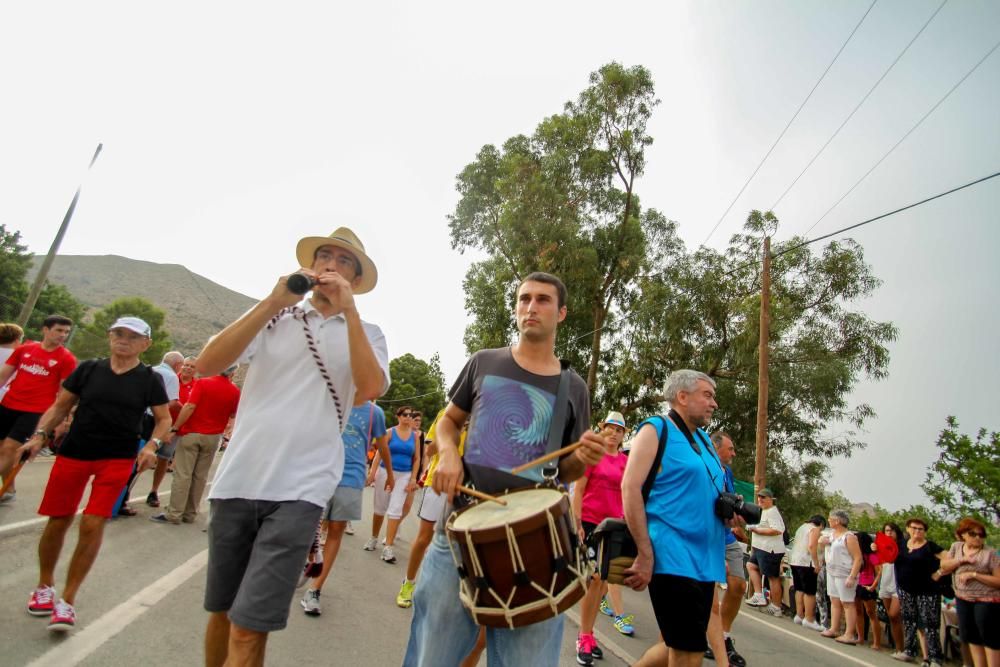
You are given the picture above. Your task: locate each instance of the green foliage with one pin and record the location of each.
(54, 300)
(92, 341)
(940, 529)
(641, 305)
(965, 478)
(14, 264)
(416, 383)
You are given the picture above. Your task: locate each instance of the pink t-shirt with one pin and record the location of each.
(602, 498)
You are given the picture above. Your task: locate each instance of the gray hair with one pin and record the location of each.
(683, 380)
(173, 357)
(842, 517)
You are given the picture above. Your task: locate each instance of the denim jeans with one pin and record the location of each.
(442, 632)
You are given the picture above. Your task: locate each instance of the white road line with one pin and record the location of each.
(605, 640)
(93, 636)
(11, 527)
(825, 647)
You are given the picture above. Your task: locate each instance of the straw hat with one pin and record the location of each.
(342, 237)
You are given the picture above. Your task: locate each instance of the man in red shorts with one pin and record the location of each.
(110, 396)
(41, 368)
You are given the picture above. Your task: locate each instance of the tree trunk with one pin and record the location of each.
(595, 348)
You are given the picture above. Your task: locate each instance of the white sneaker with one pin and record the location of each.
(349, 528)
(773, 610)
(310, 603)
(813, 625)
(370, 544)
(387, 555)
(757, 600)
(797, 620)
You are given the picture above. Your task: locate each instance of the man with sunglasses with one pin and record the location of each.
(311, 360)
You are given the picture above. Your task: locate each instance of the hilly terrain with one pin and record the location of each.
(196, 308)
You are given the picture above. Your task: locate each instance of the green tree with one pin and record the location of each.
(92, 341)
(417, 383)
(965, 478)
(563, 200)
(14, 264)
(54, 300)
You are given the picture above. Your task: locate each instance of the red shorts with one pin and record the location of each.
(69, 478)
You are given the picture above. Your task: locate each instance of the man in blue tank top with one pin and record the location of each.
(681, 542)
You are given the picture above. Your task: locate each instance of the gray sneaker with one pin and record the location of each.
(370, 544)
(387, 554)
(8, 497)
(773, 610)
(310, 603)
(45, 451)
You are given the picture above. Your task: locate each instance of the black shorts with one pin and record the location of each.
(17, 425)
(682, 607)
(768, 563)
(979, 623)
(865, 595)
(804, 579)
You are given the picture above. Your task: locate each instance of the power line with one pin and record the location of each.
(789, 124)
(784, 251)
(408, 398)
(903, 138)
(863, 100)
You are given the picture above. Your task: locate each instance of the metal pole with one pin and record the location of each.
(760, 464)
(43, 271)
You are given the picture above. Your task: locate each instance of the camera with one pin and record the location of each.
(728, 505)
(299, 283)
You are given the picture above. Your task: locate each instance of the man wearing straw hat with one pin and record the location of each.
(311, 360)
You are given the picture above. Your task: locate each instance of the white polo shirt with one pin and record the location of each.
(286, 443)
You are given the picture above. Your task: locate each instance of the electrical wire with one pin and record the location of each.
(860, 104)
(789, 124)
(903, 138)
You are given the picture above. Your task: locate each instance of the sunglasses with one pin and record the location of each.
(405, 414)
(973, 533)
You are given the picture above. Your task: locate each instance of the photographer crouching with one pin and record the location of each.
(677, 512)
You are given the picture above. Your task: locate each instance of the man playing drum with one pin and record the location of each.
(509, 395)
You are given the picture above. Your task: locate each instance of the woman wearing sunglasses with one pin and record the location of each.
(977, 591)
(919, 594)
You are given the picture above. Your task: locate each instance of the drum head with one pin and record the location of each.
(520, 505)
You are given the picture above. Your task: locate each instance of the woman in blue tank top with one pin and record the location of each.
(389, 501)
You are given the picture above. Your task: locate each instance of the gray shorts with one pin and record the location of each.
(256, 549)
(432, 505)
(734, 560)
(345, 505)
(167, 451)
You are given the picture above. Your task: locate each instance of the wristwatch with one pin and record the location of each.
(43, 433)
(157, 443)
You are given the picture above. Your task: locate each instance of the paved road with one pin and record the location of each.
(141, 604)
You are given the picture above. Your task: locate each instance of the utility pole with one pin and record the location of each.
(43, 271)
(760, 465)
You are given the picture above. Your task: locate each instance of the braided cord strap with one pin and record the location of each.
(300, 315)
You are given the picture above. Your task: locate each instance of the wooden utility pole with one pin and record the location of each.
(43, 271)
(760, 466)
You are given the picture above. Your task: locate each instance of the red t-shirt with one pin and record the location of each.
(40, 373)
(182, 397)
(215, 398)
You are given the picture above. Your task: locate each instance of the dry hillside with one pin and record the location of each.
(196, 307)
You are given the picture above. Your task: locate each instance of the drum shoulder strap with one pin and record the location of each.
(557, 428)
(647, 486)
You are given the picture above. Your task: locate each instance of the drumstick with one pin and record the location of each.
(559, 452)
(479, 494)
(13, 473)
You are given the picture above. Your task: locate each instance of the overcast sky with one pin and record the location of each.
(233, 129)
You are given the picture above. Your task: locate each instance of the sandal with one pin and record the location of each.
(127, 511)
(829, 634)
(851, 642)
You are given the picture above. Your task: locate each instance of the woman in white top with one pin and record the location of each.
(804, 560)
(842, 568)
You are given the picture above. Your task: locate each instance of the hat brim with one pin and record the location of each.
(613, 423)
(306, 248)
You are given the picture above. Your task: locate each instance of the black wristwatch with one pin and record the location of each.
(157, 443)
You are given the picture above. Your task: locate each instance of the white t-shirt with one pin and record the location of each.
(286, 444)
(770, 518)
(800, 546)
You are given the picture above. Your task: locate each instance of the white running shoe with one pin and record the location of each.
(813, 625)
(387, 555)
(757, 600)
(773, 610)
(310, 603)
(797, 620)
(370, 544)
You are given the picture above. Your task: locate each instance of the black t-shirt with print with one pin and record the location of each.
(108, 416)
(510, 412)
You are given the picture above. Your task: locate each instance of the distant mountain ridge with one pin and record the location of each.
(196, 307)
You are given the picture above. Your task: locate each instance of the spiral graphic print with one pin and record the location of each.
(510, 424)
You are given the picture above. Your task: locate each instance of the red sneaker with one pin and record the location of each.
(63, 617)
(41, 601)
